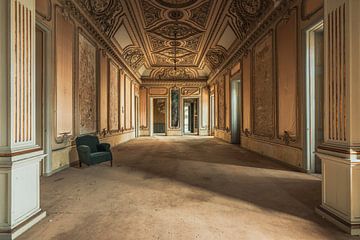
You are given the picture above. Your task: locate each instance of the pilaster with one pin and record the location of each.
(341, 149)
(19, 155)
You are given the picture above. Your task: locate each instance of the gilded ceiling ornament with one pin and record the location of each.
(134, 56)
(183, 30)
(106, 13)
(99, 5)
(156, 43)
(176, 3)
(168, 73)
(193, 43)
(251, 6)
(175, 14)
(152, 14)
(215, 57)
(200, 14)
(161, 60)
(248, 13)
(188, 60)
(170, 52)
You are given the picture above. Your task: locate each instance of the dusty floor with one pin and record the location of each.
(182, 188)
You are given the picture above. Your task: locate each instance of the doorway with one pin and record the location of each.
(212, 114)
(44, 93)
(158, 116)
(314, 95)
(191, 116)
(235, 111)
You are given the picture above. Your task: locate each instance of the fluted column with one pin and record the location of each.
(19, 155)
(341, 150)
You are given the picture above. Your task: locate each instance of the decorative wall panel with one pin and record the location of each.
(23, 72)
(87, 86)
(263, 88)
(221, 103)
(128, 102)
(158, 91)
(64, 74)
(103, 92)
(205, 107)
(175, 108)
(190, 91)
(132, 105)
(227, 100)
(246, 93)
(216, 96)
(286, 43)
(143, 107)
(122, 100)
(40, 77)
(113, 97)
(336, 74)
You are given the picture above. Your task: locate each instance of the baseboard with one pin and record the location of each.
(351, 228)
(23, 227)
(56, 170)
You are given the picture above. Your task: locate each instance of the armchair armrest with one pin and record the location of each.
(103, 147)
(84, 153)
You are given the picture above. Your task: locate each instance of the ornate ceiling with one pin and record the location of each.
(207, 32)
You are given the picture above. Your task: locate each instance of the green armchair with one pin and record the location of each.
(91, 151)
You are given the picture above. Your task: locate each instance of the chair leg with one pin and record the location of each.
(111, 163)
(80, 164)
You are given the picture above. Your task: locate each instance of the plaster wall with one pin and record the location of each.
(200, 92)
(84, 73)
(272, 72)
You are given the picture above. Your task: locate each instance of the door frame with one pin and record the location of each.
(47, 97)
(137, 107)
(152, 116)
(236, 82)
(310, 131)
(212, 115)
(183, 115)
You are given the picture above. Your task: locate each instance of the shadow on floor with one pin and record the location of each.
(226, 170)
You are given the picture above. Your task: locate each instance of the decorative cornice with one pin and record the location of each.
(75, 11)
(177, 83)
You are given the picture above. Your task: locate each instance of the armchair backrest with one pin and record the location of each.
(88, 140)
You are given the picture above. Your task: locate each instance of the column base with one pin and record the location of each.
(23, 227)
(348, 227)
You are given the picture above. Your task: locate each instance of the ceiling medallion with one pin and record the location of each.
(175, 14)
(176, 3)
(175, 43)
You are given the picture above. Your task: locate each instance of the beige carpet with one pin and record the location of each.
(182, 188)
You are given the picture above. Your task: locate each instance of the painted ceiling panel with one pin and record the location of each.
(122, 37)
(193, 29)
(228, 38)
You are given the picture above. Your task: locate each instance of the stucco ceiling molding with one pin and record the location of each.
(199, 15)
(152, 14)
(106, 13)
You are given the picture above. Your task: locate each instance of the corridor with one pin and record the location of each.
(182, 188)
